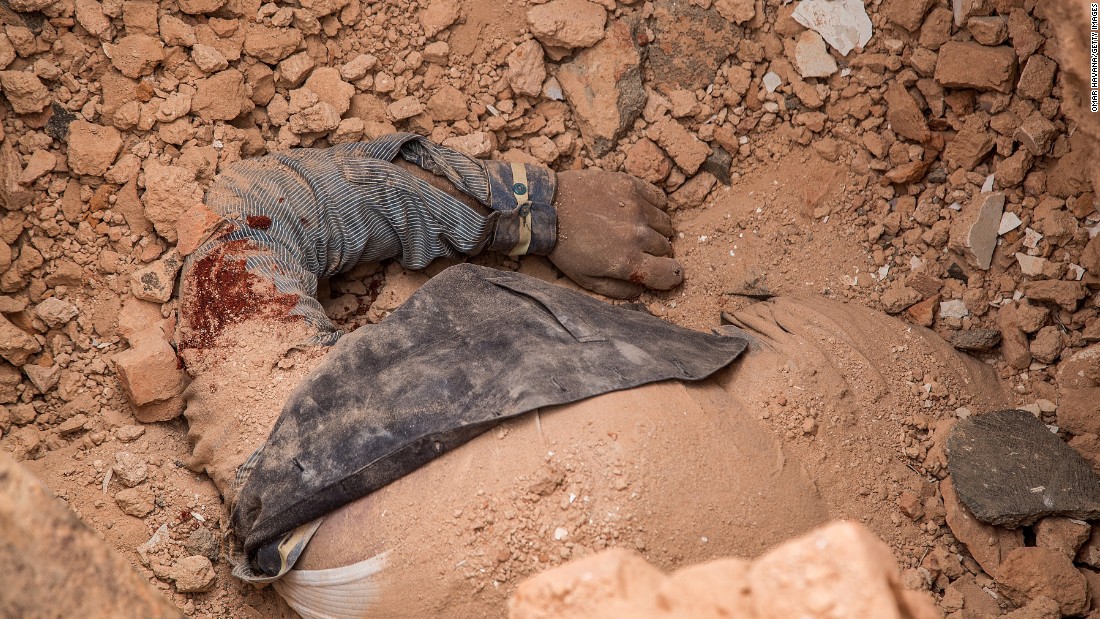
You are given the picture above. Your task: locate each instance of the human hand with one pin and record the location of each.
(613, 234)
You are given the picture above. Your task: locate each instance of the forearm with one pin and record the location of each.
(311, 213)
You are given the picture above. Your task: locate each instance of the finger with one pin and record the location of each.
(614, 288)
(655, 244)
(658, 220)
(650, 193)
(657, 273)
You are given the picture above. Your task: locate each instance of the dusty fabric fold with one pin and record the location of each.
(472, 347)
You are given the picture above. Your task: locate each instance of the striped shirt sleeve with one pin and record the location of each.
(307, 214)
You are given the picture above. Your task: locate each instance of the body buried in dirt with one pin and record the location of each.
(401, 430)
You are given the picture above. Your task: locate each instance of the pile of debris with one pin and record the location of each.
(967, 177)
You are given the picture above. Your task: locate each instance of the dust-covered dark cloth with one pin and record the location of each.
(474, 346)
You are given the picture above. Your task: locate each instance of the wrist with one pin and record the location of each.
(522, 198)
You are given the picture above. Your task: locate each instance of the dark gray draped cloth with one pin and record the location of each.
(474, 346)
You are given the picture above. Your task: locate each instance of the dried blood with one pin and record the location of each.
(222, 292)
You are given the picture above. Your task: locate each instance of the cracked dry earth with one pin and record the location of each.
(941, 171)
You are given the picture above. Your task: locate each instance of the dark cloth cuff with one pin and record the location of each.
(505, 199)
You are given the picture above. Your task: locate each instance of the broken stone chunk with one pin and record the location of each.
(988, 545)
(975, 340)
(43, 378)
(670, 65)
(134, 502)
(988, 30)
(477, 144)
(974, 230)
(92, 148)
(129, 469)
(1031, 573)
(193, 574)
(26, 93)
(970, 65)
(812, 58)
(1037, 78)
(904, 115)
(843, 24)
(271, 44)
(1062, 535)
(438, 16)
(169, 192)
(403, 108)
(317, 118)
(221, 96)
(208, 59)
(1036, 134)
(151, 378)
(688, 151)
(1031, 265)
(1065, 293)
(331, 89)
(1048, 344)
(136, 55)
(971, 144)
(603, 86)
(908, 14)
(897, 298)
(55, 312)
(567, 23)
(647, 161)
(737, 11)
(526, 69)
(155, 282)
(358, 67)
(15, 344)
(1010, 470)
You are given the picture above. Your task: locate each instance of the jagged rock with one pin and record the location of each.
(439, 15)
(1078, 379)
(270, 44)
(526, 69)
(904, 115)
(193, 574)
(155, 282)
(811, 57)
(129, 469)
(980, 340)
(134, 502)
(1010, 470)
(974, 230)
(169, 192)
(151, 377)
(15, 344)
(971, 144)
(55, 312)
(1062, 535)
(26, 93)
(1065, 293)
(970, 65)
(988, 545)
(567, 24)
(477, 144)
(331, 89)
(906, 13)
(136, 55)
(673, 65)
(92, 148)
(1031, 573)
(604, 88)
(221, 96)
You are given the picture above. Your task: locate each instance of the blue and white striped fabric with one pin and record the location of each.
(312, 213)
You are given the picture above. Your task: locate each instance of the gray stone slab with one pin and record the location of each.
(1010, 470)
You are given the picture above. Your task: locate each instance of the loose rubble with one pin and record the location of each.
(954, 130)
